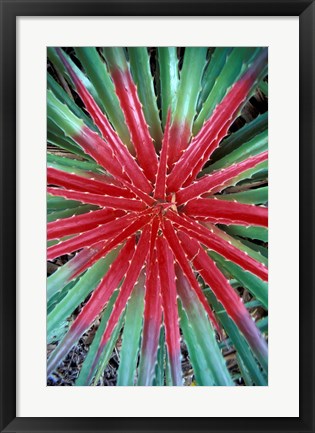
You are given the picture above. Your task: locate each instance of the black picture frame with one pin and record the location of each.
(10, 9)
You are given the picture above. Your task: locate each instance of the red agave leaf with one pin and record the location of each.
(94, 306)
(151, 324)
(81, 223)
(226, 295)
(125, 159)
(207, 183)
(131, 106)
(160, 186)
(78, 183)
(137, 224)
(152, 320)
(132, 274)
(99, 200)
(169, 303)
(181, 258)
(64, 274)
(215, 243)
(219, 211)
(88, 238)
(209, 137)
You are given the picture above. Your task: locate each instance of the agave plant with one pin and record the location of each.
(157, 213)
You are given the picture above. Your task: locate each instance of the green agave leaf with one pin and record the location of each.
(197, 358)
(252, 196)
(63, 96)
(248, 177)
(60, 140)
(63, 163)
(263, 325)
(140, 68)
(256, 145)
(206, 357)
(60, 203)
(240, 245)
(85, 285)
(108, 350)
(67, 213)
(253, 304)
(60, 67)
(260, 233)
(116, 56)
(190, 84)
(236, 63)
(131, 336)
(88, 362)
(261, 174)
(244, 372)
(57, 297)
(159, 370)
(67, 168)
(64, 274)
(168, 376)
(234, 283)
(100, 78)
(62, 116)
(168, 69)
(56, 241)
(259, 248)
(241, 136)
(60, 332)
(212, 72)
(58, 280)
(263, 86)
(54, 128)
(253, 284)
(238, 340)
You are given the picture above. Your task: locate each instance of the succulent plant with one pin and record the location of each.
(157, 213)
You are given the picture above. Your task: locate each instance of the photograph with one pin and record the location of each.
(145, 259)
(157, 216)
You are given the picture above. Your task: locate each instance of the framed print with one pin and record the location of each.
(177, 164)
